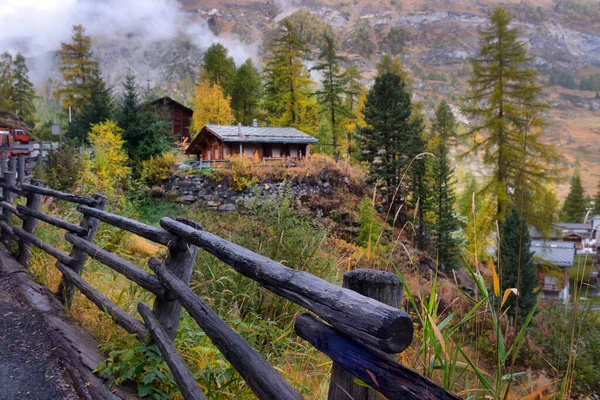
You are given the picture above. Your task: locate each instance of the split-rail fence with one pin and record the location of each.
(360, 334)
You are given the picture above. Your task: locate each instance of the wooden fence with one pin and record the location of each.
(358, 333)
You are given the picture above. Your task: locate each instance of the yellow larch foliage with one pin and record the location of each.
(210, 106)
(105, 170)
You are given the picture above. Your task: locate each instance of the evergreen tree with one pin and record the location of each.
(128, 115)
(246, 95)
(330, 97)
(6, 82)
(78, 67)
(446, 223)
(392, 65)
(97, 110)
(370, 226)
(287, 82)
(23, 92)
(391, 138)
(503, 102)
(575, 205)
(218, 67)
(444, 124)
(516, 265)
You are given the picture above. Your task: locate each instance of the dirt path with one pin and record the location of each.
(29, 369)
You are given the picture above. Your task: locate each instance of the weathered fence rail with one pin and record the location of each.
(356, 331)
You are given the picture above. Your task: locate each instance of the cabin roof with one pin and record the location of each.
(260, 134)
(560, 254)
(169, 101)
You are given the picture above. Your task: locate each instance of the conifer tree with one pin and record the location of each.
(23, 92)
(369, 224)
(330, 96)
(98, 109)
(575, 205)
(393, 65)
(443, 127)
(246, 95)
(503, 103)
(144, 135)
(391, 138)
(287, 82)
(516, 265)
(354, 91)
(78, 67)
(6, 82)
(218, 67)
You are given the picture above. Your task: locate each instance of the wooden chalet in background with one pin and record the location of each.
(180, 116)
(557, 254)
(217, 142)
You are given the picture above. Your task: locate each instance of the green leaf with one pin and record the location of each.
(145, 390)
(128, 356)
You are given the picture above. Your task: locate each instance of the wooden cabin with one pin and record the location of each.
(180, 116)
(560, 255)
(217, 142)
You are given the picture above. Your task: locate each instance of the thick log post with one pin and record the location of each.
(66, 288)
(10, 177)
(3, 170)
(29, 225)
(378, 285)
(181, 261)
(21, 169)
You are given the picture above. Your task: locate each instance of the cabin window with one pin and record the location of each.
(293, 151)
(249, 151)
(275, 150)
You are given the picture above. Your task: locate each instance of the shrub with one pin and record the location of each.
(63, 168)
(158, 168)
(241, 173)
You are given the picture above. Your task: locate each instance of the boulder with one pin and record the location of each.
(213, 203)
(187, 199)
(228, 207)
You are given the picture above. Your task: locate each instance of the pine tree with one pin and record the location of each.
(97, 110)
(575, 205)
(77, 66)
(503, 103)
(391, 137)
(246, 95)
(330, 97)
(210, 106)
(218, 67)
(6, 82)
(23, 92)
(287, 82)
(516, 265)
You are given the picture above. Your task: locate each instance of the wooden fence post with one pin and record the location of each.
(181, 261)
(21, 169)
(10, 177)
(66, 288)
(29, 225)
(379, 285)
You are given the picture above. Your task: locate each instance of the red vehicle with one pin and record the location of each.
(14, 142)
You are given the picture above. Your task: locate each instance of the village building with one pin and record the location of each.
(180, 116)
(218, 142)
(552, 260)
(585, 236)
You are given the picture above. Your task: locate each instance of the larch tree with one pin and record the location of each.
(218, 67)
(246, 95)
(516, 262)
(354, 101)
(503, 104)
(392, 65)
(575, 205)
(210, 106)
(333, 87)
(23, 92)
(287, 82)
(6, 82)
(78, 67)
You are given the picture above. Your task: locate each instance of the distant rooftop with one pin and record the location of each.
(560, 254)
(260, 134)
